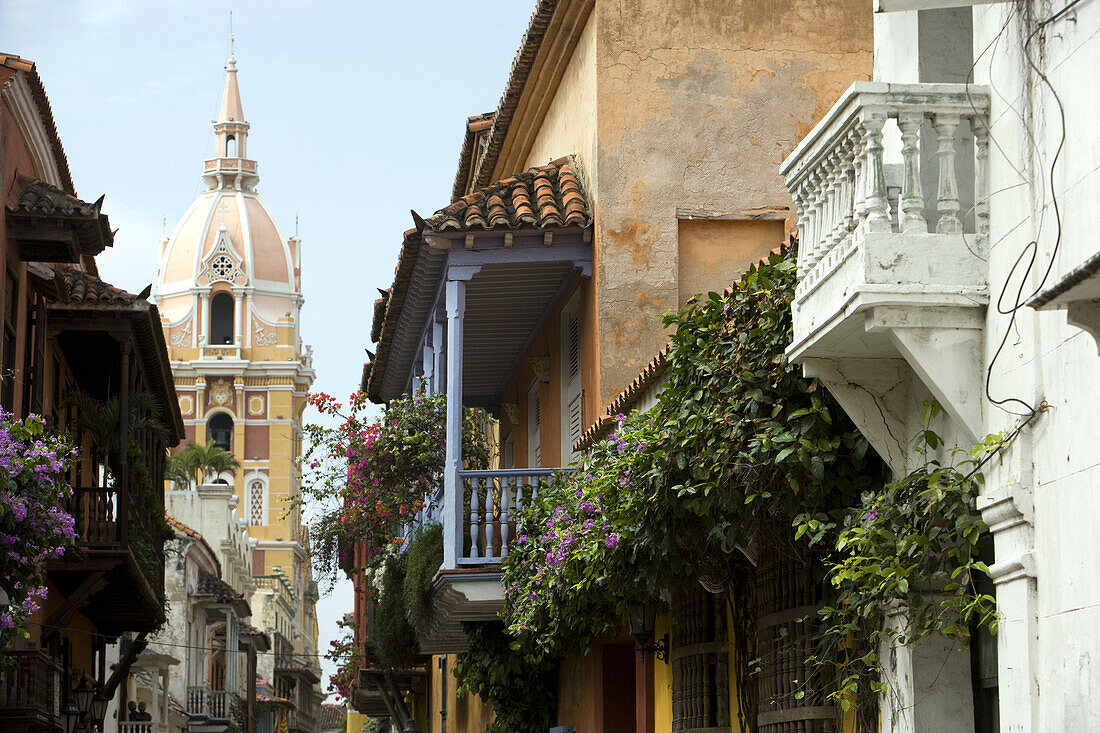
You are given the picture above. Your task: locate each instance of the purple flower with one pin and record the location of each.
(521, 539)
(588, 507)
(871, 514)
(611, 541)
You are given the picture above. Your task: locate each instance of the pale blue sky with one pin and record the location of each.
(357, 112)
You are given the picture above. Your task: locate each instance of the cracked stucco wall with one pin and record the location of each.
(697, 103)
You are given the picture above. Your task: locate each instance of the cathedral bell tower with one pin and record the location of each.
(229, 291)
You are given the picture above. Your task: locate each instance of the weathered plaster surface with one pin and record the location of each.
(696, 107)
(570, 122)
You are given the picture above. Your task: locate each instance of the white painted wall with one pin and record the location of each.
(1043, 499)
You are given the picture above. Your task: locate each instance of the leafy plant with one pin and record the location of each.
(395, 643)
(523, 694)
(370, 477)
(910, 549)
(34, 524)
(194, 462)
(423, 556)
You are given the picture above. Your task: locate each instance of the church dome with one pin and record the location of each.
(228, 238)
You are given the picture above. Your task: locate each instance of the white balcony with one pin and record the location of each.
(891, 189)
(206, 704)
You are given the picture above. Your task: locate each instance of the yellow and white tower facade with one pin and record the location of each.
(229, 291)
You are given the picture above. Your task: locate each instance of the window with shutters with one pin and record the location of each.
(700, 663)
(534, 421)
(572, 395)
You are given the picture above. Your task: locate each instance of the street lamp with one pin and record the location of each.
(70, 714)
(643, 619)
(99, 707)
(82, 695)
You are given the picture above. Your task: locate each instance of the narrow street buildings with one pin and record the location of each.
(631, 163)
(91, 359)
(229, 288)
(947, 213)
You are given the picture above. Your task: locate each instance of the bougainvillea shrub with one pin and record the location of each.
(34, 525)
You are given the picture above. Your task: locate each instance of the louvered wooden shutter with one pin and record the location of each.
(572, 394)
(534, 424)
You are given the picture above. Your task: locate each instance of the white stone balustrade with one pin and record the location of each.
(837, 174)
(892, 196)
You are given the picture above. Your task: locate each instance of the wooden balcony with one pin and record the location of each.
(891, 189)
(117, 565)
(30, 693)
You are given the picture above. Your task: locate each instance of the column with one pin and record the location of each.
(238, 318)
(1013, 575)
(439, 353)
(232, 673)
(203, 319)
(452, 491)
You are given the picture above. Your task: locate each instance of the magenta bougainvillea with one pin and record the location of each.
(34, 526)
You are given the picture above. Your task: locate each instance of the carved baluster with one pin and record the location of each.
(475, 489)
(948, 195)
(912, 197)
(799, 199)
(505, 514)
(520, 506)
(981, 173)
(851, 160)
(878, 212)
(859, 181)
(813, 243)
(490, 520)
(836, 178)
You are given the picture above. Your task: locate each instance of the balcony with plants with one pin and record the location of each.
(892, 194)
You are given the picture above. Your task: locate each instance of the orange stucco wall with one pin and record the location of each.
(714, 253)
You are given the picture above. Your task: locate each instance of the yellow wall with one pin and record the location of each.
(570, 123)
(662, 682)
(467, 713)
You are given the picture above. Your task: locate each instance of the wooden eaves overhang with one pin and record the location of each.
(86, 303)
(517, 244)
(50, 225)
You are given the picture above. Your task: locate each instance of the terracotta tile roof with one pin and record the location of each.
(469, 157)
(85, 291)
(517, 80)
(83, 288)
(90, 227)
(250, 631)
(38, 92)
(332, 716)
(218, 589)
(543, 197)
(182, 528)
(624, 402)
(406, 260)
(379, 314)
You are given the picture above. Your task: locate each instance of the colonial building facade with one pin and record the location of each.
(596, 197)
(229, 286)
(948, 253)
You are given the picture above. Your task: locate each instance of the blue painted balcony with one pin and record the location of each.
(478, 287)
